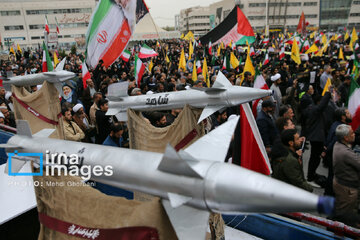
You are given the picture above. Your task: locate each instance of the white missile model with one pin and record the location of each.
(57, 77)
(221, 95)
(191, 183)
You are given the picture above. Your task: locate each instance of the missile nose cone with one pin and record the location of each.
(326, 205)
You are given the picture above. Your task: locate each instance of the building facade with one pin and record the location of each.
(284, 14)
(195, 19)
(22, 22)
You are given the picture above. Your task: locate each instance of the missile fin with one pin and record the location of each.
(208, 110)
(16, 165)
(221, 81)
(10, 147)
(214, 145)
(172, 163)
(44, 133)
(58, 87)
(122, 116)
(188, 222)
(61, 65)
(23, 128)
(118, 89)
(177, 200)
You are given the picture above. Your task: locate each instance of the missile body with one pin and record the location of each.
(57, 77)
(221, 95)
(195, 178)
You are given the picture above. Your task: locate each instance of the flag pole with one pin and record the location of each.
(157, 32)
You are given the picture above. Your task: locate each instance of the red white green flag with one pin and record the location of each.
(146, 52)
(46, 62)
(354, 104)
(57, 26)
(85, 74)
(125, 55)
(109, 31)
(47, 29)
(139, 70)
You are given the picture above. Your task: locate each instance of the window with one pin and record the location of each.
(290, 4)
(310, 16)
(356, 2)
(257, 4)
(256, 17)
(14, 39)
(310, 3)
(10, 13)
(354, 14)
(58, 11)
(63, 25)
(14, 28)
(35, 38)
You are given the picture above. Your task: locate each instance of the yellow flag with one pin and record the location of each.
(351, 46)
(312, 49)
(56, 60)
(167, 59)
(312, 35)
(248, 66)
(191, 50)
(233, 61)
(354, 36)
(189, 36)
(205, 73)
(194, 73)
(295, 53)
(218, 51)
(332, 38)
(341, 54)
(327, 86)
(12, 50)
(182, 61)
(230, 44)
(19, 49)
(151, 65)
(324, 39)
(346, 36)
(182, 36)
(222, 45)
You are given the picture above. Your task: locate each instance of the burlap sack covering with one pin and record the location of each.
(46, 102)
(144, 136)
(90, 208)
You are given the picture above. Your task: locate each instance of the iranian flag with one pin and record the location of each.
(139, 70)
(198, 66)
(252, 52)
(226, 64)
(266, 41)
(85, 74)
(46, 62)
(210, 48)
(266, 60)
(282, 53)
(354, 104)
(109, 31)
(57, 26)
(47, 29)
(125, 55)
(146, 52)
(260, 84)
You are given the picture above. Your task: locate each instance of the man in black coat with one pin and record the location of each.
(103, 121)
(266, 124)
(315, 132)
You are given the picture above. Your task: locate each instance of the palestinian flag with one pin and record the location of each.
(125, 55)
(235, 28)
(139, 70)
(85, 74)
(109, 31)
(46, 62)
(249, 150)
(47, 29)
(146, 52)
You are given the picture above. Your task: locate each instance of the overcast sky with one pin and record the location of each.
(164, 11)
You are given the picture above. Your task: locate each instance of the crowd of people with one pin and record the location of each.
(299, 111)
